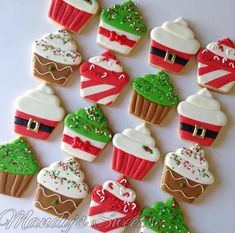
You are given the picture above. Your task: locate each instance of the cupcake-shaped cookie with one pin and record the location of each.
(86, 133)
(134, 152)
(38, 112)
(186, 175)
(55, 58)
(61, 188)
(102, 79)
(164, 217)
(121, 27)
(216, 66)
(172, 45)
(200, 118)
(152, 97)
(17, 167)
(112, 206)
(73, 14)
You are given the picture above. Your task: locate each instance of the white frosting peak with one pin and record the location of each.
(143, 129)
(46, 89)
(205, 92)
(181, 21)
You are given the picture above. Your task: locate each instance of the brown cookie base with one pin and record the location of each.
(54, 203)
(212, 88)
(13, 185)
(180, 187)
(147, 110)
(52, 72)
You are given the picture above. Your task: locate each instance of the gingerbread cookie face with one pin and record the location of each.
(116, 201)
(172, 45)
(121, 27)
(201, 118)
(216, 66)
(17, 167)
(86, 133)
(73, 15)
(55, 58)
(61, 188)
(102, 79)
(38, 112)
(163, 217)
(186, 173)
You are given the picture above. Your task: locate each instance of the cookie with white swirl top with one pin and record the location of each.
(61, 188)
(56, 58)
(186, 173)
(112, 206)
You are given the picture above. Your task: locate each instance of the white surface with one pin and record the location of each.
(23, 21)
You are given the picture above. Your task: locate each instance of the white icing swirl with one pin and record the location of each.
(65, 178)
(58, 47)
(41, 102)
(137, 142)
(176, 35)
(191, 164)
(90, 6)
(203, 107)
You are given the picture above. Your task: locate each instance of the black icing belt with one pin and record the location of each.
(162, 53)
(42, 127)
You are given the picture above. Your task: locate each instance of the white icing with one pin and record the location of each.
(176, 35)
(42, 103)
(58, 47)
(84, 5)
(191, 164)
(132, 141)
(203, 107)
(65, 178)
(227, 52)
(119, 191)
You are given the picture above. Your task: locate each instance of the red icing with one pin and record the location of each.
(109, 54)
(226, 42)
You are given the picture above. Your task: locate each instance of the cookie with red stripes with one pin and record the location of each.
(113, 206)
(38, 112)
(172, 45)
(102, 79)
(201, 118)
(121, 27)
(216, 66)
(86, 133)
(73, 14)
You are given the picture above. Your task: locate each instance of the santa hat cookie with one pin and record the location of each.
(102, 79)
(115, 201)
(216, 66)
(121, 27)
(172, 45)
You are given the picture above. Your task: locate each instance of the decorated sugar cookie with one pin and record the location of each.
(152, 97)
(38, 112)
(173, 45)
(164, 217)
(216, 66)
(61, 188)
(134, 152)
(73, 14)
(55, 58)
(186, 175)
(121, 27)
(86, 133)
(102, 79)
(201, 118)
(115, 201)
(17, 167)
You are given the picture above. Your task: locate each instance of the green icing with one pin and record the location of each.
(156, 88)
(17, 158)
(89, 122)
(125, 17)
(164, 217)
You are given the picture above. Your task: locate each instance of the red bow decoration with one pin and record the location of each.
(121, 39)
(77, 143)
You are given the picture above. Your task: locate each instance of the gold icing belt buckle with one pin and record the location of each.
(199, 132)
(33, 125)
(170, 57)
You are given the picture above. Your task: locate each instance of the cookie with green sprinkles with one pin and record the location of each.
(17, 167)
(163, 217)
(86, 133)
(121, 27)
(152, 97)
